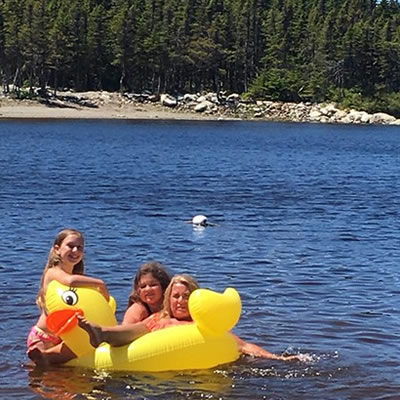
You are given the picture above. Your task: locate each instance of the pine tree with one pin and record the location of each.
(13, 59)
(98, 47)
(35, 45)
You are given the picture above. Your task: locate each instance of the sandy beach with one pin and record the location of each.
(112, 109)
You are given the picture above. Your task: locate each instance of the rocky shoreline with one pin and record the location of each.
(233, 105)
(188, 106)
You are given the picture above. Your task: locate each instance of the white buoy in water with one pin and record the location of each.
(200, 220)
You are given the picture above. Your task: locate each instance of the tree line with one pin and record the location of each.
(290, 50)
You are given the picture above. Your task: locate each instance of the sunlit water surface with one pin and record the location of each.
(308, 232)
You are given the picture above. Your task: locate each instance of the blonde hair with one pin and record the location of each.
(184, 279)
(54, 260)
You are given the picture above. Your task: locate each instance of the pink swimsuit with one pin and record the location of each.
(37, 335)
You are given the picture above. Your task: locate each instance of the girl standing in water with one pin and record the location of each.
(65, 265)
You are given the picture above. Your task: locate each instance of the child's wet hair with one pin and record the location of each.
(55, 260)
(157, 270)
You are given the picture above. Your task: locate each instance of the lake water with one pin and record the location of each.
(308, 232)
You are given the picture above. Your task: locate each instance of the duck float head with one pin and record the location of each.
(204, 344)
(64, 303)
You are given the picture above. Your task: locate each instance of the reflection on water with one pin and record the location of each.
(72, 383)
(230, 381)
(61, 383)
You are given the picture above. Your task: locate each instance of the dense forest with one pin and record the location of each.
(290, 50)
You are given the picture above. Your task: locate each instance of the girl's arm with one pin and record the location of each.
(77, 280)
(257, 351)
(135, 313)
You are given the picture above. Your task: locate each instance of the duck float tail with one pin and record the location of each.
(204, 344)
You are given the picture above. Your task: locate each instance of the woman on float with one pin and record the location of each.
(175, 312)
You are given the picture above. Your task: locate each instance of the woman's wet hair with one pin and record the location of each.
(184, 279)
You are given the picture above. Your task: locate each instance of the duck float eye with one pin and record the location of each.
(70, 297)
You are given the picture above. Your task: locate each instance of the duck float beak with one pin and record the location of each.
(63, 321)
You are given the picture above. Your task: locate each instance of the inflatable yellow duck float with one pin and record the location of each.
(204, 344)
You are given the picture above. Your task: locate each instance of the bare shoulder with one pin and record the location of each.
(135, 313)
(54, 274)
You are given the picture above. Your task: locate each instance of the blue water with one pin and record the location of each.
(308, 232)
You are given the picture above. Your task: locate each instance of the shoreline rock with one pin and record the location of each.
(233, 105)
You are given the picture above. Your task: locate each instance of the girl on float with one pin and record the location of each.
(146, 298)
(66, 265)
(175, 312)
(147, 295)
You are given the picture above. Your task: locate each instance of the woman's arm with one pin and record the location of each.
(135, 313)
(252, 349)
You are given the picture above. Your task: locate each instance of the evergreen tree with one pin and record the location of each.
(34, 41)
(13, 59)
(287, 50)
(97, 47)
(62, 47)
